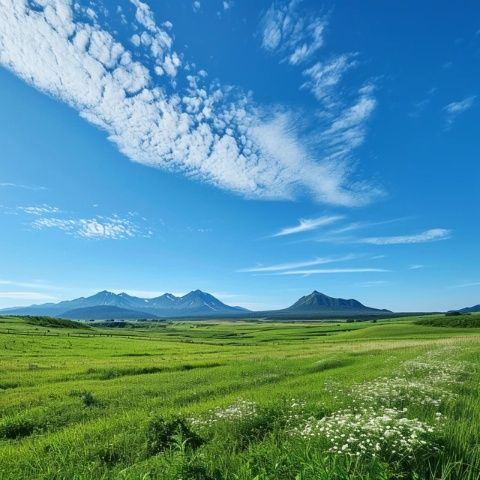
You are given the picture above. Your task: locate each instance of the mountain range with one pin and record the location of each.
(122, 305)
(108, 305)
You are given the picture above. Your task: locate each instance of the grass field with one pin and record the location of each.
(240, 400)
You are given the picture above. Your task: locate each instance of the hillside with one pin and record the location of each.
(106, 312)
(474, 309)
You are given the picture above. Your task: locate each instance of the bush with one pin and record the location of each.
(54, 322)
(166, 433)
(110, 455)
(15, 428)
(88, 399)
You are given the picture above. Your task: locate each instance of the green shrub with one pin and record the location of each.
(88, 399)
(55, 322)
(16, 428)
(166, 433)
(110, 455)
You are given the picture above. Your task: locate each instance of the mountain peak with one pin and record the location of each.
(197, 292)
(317, 302)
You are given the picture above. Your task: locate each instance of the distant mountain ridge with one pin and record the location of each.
(108, 305)
(195, 303)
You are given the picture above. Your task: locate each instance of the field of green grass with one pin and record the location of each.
(213, 400)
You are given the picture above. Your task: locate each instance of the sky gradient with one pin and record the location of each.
(254, 150)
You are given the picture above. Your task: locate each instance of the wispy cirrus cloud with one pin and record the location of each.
(295, 265)
(296, 35)
(359, 225)
(22, 284)
(309, 224)
(162, 112)
(454, 109)
(19, 185)
(432, 235)
(32, 296)
(114, 227)
(196, 6)
(374, 283)
(318, 271)
(322, 77)
(41, 209)
(420, 106)
(465, 285)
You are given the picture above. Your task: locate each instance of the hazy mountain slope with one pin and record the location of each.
(105, 312)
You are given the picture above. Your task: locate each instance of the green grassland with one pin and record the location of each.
(213, 400)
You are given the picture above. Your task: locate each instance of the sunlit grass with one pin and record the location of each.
(90, 404)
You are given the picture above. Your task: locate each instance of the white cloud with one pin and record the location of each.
(421, 105)
(348, 129)
(294, 36)
(210, 133)
(308, 224)
(25, 187)
(454, 109)
(416, 267)
(114, 227)
(227, 5)
(363, 225)
(34, 296)
(39, 210)
(294, 265)
(466, 285)
(196, 6)
(431, 235)
(21, 284)
(331, 270)
(374, 283)
(324, 76)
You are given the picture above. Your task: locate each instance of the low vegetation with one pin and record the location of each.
(241, 401)
(54, 322)
(462, 321)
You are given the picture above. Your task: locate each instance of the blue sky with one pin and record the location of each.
(254, 150)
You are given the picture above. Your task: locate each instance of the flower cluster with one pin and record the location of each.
(426, 381)
(370, 431)
(237, 411)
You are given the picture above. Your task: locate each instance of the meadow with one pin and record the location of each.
(212, 400)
